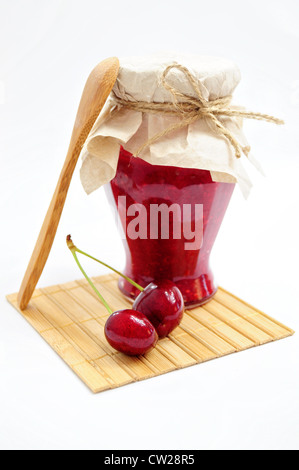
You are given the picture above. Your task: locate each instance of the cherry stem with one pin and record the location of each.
(73, 250)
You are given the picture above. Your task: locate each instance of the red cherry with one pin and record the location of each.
(130, 332)
(163, 304)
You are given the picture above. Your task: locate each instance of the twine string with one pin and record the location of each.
(191, 109)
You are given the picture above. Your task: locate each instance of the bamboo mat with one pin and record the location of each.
(71, 320)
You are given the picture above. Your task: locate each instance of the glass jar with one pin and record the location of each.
(149, 259)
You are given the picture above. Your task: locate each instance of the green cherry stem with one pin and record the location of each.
(73, 250)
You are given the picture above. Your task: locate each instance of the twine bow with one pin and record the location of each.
(191, 109)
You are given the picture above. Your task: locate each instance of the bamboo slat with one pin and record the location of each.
(71, 320)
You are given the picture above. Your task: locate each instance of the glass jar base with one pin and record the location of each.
(193, 295)
(198, 303)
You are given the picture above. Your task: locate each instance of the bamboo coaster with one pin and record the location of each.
(71, 320)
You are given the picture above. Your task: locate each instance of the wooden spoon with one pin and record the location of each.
(97, 89)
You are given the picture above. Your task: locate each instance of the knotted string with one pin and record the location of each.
(191, 109)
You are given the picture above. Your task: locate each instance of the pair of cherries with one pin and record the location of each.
(156, 312)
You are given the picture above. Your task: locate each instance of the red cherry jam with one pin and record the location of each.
(151, 259)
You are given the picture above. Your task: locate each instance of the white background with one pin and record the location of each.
(244, 401)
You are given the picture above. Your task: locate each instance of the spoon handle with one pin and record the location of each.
(95, 94)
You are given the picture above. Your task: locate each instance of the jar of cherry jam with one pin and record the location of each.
(167, 147)
(141, 184)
